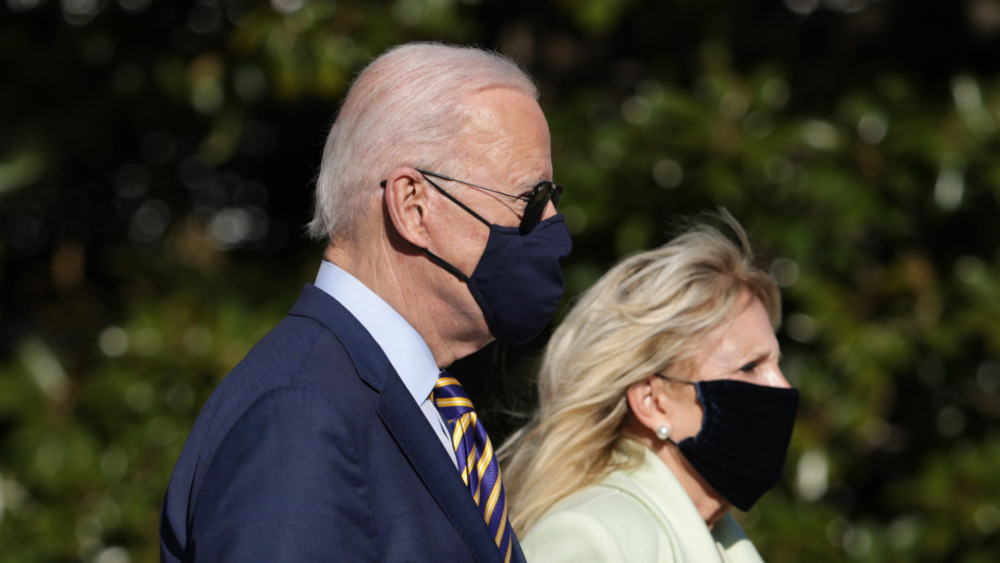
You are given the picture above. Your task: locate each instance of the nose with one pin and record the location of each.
(778, 380)
(550, 210)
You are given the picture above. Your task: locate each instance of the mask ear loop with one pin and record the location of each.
(458, 203)
(435, 258)
(663, 432)
(674, 379)
(448, 267)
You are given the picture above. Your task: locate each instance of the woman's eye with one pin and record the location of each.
(749, 367)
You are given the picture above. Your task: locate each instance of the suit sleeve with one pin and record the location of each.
(284, 485)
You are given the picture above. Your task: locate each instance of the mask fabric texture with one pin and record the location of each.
(518, 281)
(745, 431)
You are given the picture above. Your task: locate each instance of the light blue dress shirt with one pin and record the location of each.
(407, 352)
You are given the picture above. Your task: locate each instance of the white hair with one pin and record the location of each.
(648, 314)
(404, 109)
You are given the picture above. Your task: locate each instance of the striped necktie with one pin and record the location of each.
(476, 462)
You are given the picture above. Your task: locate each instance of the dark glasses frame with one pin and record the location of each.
(535, 202)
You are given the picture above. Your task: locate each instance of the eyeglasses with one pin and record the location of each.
(672, 378)
(534, 203)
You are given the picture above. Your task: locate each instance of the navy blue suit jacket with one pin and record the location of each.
(312, 449)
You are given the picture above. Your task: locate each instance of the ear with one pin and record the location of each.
(647, 401)
(406, 201)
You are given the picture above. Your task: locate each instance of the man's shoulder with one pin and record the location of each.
(300, 351)
(317, 340)
(316, 347)
(295, 345)
(301, 360)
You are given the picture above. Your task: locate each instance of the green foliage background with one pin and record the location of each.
(156, 161)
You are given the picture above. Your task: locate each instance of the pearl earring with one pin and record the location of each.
(663, 432)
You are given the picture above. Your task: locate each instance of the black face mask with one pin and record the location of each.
(518, 281)
(741, 447)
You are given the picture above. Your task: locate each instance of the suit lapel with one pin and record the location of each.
(660, 490)
(410, 429)
(405, 422)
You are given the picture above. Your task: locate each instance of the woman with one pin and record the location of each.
(661, 405)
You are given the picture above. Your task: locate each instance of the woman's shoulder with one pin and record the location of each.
(617, 497)
(608, 521)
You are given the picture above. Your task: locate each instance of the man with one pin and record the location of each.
(325, 443)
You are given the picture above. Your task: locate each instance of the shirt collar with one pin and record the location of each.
(407, 352)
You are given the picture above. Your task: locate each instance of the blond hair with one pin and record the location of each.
(404, 108)
(648, 314)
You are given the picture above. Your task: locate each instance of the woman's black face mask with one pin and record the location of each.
(744, 437)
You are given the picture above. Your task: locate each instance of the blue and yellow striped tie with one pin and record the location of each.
(476, 462)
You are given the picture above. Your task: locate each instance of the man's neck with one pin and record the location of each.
(401, 281)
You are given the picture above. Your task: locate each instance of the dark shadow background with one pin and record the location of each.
(156, 170)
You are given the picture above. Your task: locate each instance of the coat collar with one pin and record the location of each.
(403, 419)
(654, 482)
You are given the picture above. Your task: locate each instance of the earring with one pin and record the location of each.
(663, 432)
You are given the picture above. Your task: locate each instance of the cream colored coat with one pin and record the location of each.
(635, 516)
